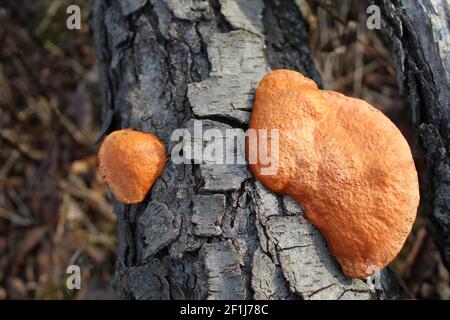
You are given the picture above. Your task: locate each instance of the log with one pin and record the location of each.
(211, 231)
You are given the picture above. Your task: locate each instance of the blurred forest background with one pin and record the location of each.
(53, 208)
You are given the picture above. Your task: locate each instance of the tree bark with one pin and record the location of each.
(209, 231)
(419, 34)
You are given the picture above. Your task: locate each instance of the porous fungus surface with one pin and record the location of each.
(346, 163)
(129, 162)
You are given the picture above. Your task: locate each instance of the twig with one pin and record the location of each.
(78, 191)
(371, 50)
(34, 156)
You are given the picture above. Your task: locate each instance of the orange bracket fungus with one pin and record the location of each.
(347, 165)
(130, 162)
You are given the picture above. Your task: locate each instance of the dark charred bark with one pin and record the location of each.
(419, 34)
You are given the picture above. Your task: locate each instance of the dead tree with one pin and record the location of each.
(419, 34)
(211, 231)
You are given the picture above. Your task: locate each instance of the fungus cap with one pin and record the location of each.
(129, 162)
(347, 164)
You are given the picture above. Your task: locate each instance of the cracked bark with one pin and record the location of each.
(208, 231)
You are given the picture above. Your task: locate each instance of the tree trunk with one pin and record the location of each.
(419, 34)
(211, 231)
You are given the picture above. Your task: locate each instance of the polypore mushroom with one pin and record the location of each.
(130, 162)
(346, 164)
